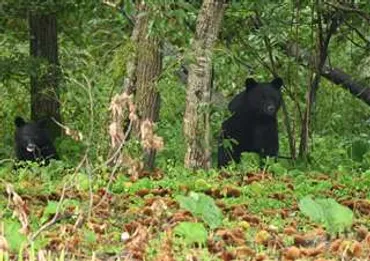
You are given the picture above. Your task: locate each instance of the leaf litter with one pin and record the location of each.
(139, 225)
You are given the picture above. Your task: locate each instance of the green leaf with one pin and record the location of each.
(358, 149)
(337, 217)
(12, 234)
(90, 236)
(50, 209)
(311, 209)
(192, 232)
(202, 206)
(333, 216)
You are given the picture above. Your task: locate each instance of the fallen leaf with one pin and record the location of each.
(292, 253)
(4, 246)
(290, 231)
(234, 236)
(262, 237)
(244, 252)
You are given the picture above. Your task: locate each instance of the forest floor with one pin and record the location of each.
(67, 215)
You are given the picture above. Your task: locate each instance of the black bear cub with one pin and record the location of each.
(253, 126)
(32, 141)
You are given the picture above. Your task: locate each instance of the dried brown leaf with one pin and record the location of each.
(233, 236)
(290, 231)
(292, 253)
(244, 252)
(261, 257)
(20, 209)
(312, 252)
(227, 256)
(262, 237)
(253, 220)
(362, 232)
(334, 246)
(230, 191)
(4, 246)
(166, 253)
(135, 246)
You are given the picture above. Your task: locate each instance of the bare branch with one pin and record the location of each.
(361, 13)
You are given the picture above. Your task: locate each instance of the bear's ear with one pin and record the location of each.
(250, 83)
(277, 82)
(19, 122)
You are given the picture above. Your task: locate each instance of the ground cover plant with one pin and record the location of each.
(134, 94)
(181, 215)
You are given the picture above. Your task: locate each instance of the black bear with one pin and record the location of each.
(253, 125)
(32, 141)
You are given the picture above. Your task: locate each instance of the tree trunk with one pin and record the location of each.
(198, 96)
(142, 72)
(120, 121)
(44, 85)
(148, 69)
(322, 43)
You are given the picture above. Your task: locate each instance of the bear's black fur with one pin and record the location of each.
(253, 125)
(32, 141)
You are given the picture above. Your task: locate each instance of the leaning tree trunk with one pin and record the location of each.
(335, 75)
(148, 69)
(44, 84)
(198, 95)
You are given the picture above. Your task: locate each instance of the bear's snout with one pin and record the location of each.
(270, 109)
(31, 147)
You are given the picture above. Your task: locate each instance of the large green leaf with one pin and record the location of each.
(333, 216)
(337, 217)
(192, 232)
(312, 209)
(202, 206)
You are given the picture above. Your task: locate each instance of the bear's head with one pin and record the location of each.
(32, 140)
(259, 98)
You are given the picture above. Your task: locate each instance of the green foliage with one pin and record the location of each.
(277, 167)
(333, 216)
(359, 148)
(52, 207)
(191, 232)
(95, 46)
(202, 206)
(250, 162)
(13, 235)
(49, 210)
(90, 236)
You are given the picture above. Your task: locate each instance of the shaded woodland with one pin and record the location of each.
(134, 94)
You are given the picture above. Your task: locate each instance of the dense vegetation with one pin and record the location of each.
(82, 206)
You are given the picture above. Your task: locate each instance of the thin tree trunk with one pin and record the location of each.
(323, 40)
(283, 106)
(44, 87)
(198, 96)
(149, 67)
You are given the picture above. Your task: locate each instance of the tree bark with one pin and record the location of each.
(148, 69)
(142, 72)
(198, 95)
(120, 121)
(44, 85)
